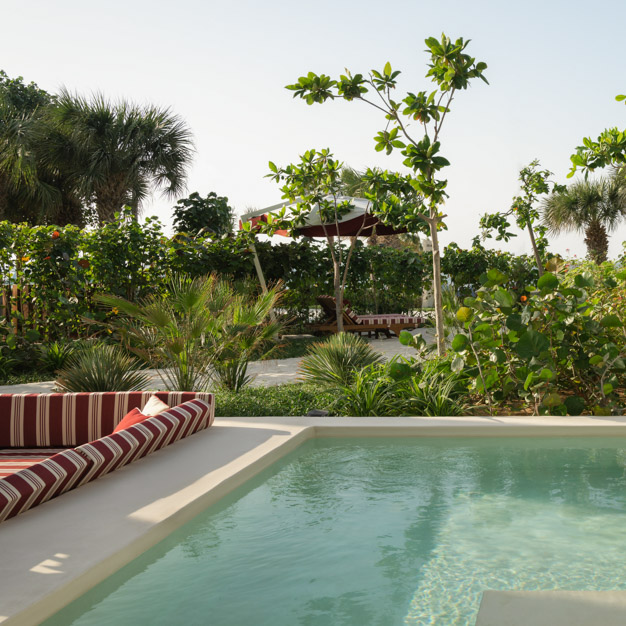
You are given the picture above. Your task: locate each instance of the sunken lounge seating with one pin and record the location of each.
(353, 323)
(51, 443)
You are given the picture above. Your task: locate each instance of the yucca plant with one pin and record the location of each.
(54, 356)
(102, 367)
(337, 360)
(371, 392)
(433, 394)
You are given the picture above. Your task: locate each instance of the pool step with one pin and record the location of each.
(552, 608)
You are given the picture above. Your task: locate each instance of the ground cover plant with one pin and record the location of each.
(280, 401)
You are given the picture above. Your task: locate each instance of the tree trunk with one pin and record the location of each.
(437, 285)
(531, 232)
(338, 295)
(597, 242)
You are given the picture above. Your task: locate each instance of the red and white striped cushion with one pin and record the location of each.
(108, 453)
(15, 459)
(47, 420)
(40, 482)
(389, 319)
(116, 450)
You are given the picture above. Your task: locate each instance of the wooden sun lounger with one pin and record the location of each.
(352, 323)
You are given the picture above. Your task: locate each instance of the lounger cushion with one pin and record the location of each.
(15, 459)
(40, 482)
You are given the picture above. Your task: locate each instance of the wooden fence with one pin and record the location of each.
(15, 307)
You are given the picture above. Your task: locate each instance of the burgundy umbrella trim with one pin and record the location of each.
(350, 228)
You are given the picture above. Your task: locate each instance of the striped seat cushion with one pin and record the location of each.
(14, 459)
(153, 433)
(40, 482)
(71, 419)
(389, 319)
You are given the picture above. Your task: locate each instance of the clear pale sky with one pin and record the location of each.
(555, 67)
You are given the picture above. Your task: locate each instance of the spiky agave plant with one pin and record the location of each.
(336, 361)
(102, 367)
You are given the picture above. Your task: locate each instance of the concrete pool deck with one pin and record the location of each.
(54, 553)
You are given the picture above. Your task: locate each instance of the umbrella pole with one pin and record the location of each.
(259, 272)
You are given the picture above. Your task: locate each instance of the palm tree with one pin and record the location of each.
(32, 190)
(593, 207)
(200, 331)
(118, 152)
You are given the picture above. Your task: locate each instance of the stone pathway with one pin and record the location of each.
(266, 373)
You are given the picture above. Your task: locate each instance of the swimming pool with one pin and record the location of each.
(383, 531)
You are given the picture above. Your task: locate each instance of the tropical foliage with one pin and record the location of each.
(68, 159)
(534, 183)
(196, 215)
(199, 331)
(594, 208)
(557, 349)
(337, 360)
(102, 367)
(419, 196)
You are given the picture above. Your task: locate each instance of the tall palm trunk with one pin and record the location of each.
(597, 241)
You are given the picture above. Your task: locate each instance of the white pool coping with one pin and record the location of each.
(56, 552)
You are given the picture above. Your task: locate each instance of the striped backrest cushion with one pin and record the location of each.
(70, 419)
(41, 482)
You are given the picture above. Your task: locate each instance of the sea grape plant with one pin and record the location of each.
(556, 348)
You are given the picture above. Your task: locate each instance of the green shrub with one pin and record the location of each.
(337, 360)
(279, 401)
(371, 392)
(559, 349)
(434, 394)
(55, 356)
(102, 367)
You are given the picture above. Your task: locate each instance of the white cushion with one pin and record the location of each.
(154, 406)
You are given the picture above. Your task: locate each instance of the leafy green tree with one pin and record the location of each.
(608, 149)
(314, 186)
(423, 192)
(211, 215)
(595, 208)
(535, 183)
(118, 152)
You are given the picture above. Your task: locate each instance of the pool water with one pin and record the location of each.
(383, 532)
